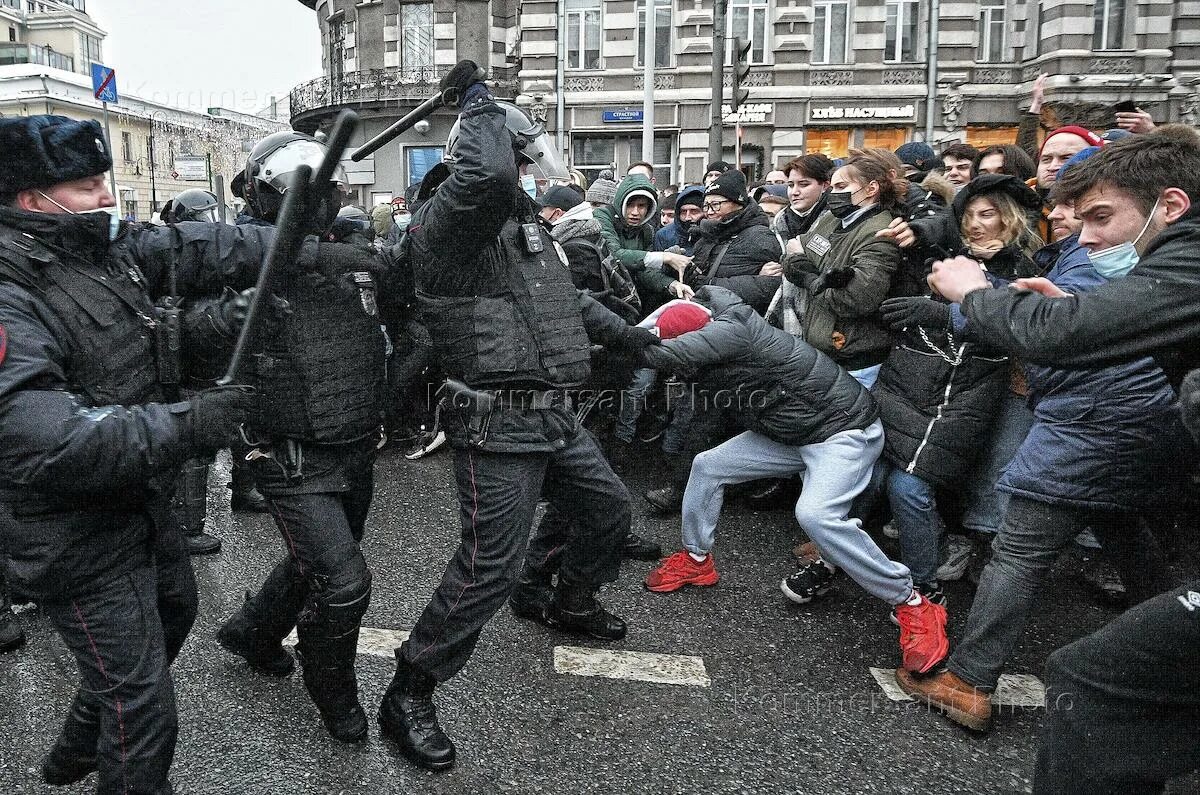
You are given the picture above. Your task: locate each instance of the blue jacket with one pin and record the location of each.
(1103, 438)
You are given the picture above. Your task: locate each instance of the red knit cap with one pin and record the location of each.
(1084, 133)
(680, 319)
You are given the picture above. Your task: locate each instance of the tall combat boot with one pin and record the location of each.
(256, 631)
(245, 498)
(574, 609)
(408, 717)
(329, 676)
(73, 757)
(532, 595)
(12, 634)
(191, 507)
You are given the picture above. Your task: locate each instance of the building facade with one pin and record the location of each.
(382, 58)
(57, 34)
(828, 75)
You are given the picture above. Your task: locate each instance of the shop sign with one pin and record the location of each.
(756, 113)
(852, 113)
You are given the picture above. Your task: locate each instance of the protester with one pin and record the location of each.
(1004, 159)
(688, 213)
(627, 231)
(714, 170)
(957, 160)
(918, 159)
(808, 180)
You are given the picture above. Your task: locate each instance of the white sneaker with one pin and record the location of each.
(957, 558)
(426, 445)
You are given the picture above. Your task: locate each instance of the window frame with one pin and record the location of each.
(827, 29)
(760, 52)
(898, 55)
(640, 12)
(986, 21)
(1101, 25)
(403, 49)
(577, 50)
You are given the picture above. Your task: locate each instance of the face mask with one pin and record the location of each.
(529, 185)
(841, 203)
(111, 216)
(1119, 260)
(402, 220)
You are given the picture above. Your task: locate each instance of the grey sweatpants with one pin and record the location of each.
(835, 472)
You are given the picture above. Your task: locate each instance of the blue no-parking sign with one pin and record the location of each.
(104, 83)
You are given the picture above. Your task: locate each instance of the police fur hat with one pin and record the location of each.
(42, 151)
(1013, 187)
(730, 185)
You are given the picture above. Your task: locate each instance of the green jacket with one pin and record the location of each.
(844, 322)
(631, 245)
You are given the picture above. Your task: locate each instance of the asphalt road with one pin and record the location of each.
(792, 707)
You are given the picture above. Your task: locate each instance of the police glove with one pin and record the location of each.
(335, 260)
(1189, 403)
(635, 338)
(901, 313)
(456, 86)
(216, 414)
(835, 279)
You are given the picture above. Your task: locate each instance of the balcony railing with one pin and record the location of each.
(373, 86)
(31, 53)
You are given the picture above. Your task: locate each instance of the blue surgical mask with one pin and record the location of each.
(529, 185)
(114, 216)
(1117, 261)
(402, 220)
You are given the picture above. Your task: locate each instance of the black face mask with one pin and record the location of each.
(840, 203)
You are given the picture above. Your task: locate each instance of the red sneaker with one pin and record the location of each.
(680, 570)
(923, 642)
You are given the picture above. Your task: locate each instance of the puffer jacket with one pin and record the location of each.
(938, 397)
(634, 246)
(843, 322)
(730, 253)
(1103, 438)
(781, 386)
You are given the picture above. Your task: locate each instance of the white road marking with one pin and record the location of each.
(667, 669)
(1013, 690)
(376, 642)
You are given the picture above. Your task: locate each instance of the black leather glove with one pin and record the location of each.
(335, 260)
(463, 76)
(1189, 403)
(902, 313)
(217, 413)
(835, 279)
(799, 269)
(635, 338)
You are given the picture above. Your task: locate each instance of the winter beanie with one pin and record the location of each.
(680, 319)
(730, 185)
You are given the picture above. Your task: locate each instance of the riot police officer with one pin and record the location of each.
(311, 444)
(88, 444)
(194, 204)
(512, 334)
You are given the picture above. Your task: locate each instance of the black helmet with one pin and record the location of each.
(533, 146)
(269, 171)
(194, 204)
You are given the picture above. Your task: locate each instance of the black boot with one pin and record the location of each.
(574, 609)
(770, 495)
(12, 634)
(201, 543)
(73, 757)
(408, 717)
(637, 548)
(244, 635)
(665, 501)
(246, 498)
(532, 595)
(332, 684)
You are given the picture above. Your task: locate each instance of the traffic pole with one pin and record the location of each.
(112, 171)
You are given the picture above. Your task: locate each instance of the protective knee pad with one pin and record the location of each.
(191, 495)
(339, 599)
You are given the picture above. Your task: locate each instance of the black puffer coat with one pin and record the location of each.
(780, 386)
(739, 246)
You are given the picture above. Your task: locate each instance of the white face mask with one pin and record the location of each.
(1117, 261)
(114, 223)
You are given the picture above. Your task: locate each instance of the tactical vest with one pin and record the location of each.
(530, 331)
(320, 377)
(105, 309)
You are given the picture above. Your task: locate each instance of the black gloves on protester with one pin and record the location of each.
(217, 413)
(799, 269)
(835, 279)
(455, 84)
(902, 313)
(635, 338)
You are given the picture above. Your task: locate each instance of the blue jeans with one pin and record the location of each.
(914, 510)
(984, 505)
(835, 472)
(633, 403)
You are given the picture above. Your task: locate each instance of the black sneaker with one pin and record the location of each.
(426, 443)
(12, 633)
(667, 500)
(637, 548)
(931, 591)
(813, 579)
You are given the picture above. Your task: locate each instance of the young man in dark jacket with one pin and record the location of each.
(688, 212)
(802, 413)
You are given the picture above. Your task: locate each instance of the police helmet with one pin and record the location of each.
(194, 204)
(534, 148)
(269, 170)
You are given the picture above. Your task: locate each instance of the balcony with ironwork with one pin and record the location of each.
(374, 89)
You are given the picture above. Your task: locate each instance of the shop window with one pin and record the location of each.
(421, 159)
(831, 143)
(888, 139)
(748, 20)
(830, 21)
(592, 154)
(900, 31)
(1109, 30)
(583, 34)
(662, 33)
(992, 45)
(980, 137)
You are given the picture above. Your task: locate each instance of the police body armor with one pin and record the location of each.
(530, 333)
(113, 361)
(320, 378)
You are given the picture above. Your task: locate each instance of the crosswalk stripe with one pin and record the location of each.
(1013, 690)
(372, 641)
(668, 669)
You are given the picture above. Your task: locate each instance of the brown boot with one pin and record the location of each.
(960, 702)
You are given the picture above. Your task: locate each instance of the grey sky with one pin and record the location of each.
(229, 53)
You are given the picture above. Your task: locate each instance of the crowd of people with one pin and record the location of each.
(979, 353)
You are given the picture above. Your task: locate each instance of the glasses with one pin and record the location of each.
(712, 207)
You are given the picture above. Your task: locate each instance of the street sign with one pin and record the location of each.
(623, 115)
(191, 168)
(104, 83)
